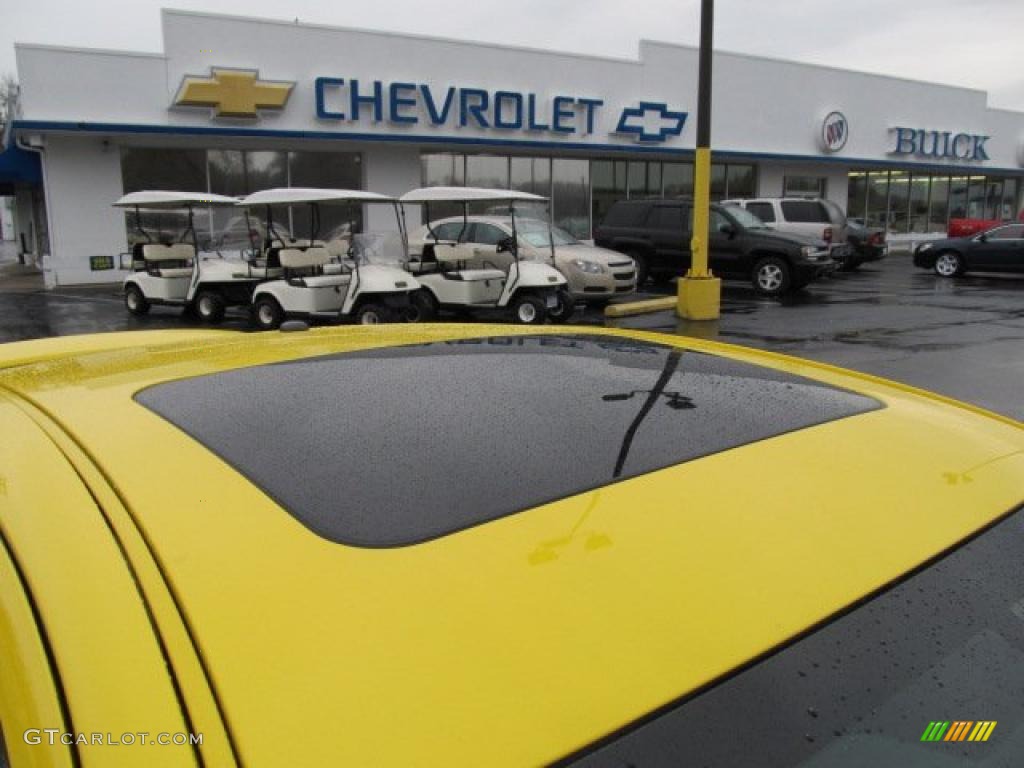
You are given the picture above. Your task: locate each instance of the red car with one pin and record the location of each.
(968, 227)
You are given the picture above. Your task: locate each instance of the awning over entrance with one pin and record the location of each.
(18, 167)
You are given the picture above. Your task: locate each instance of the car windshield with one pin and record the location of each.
(745, 218)
(382, 248)
(536, 234)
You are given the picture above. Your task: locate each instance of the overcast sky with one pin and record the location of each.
(974, 43)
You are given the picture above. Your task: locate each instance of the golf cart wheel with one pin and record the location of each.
(949, 264)
(850, 265)
(422, 307)
(641, 267)
(209, 306)
(134, 301)
(267, 313)
(372, 313)
(529, 310)
(565, 308)
(772, 276)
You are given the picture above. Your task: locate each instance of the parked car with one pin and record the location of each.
(1000, 249)
(594, 274)
(811, 216)
(499, 546)
(967, 227)
(656, 235)
(866, 244)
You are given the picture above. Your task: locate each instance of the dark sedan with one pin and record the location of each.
(866, 244)
(1000, 249)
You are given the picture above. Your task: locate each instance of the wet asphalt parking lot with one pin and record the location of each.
(962, 338)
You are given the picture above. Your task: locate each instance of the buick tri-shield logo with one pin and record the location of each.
(834, 130)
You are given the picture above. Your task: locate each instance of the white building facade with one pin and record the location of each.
(233, 105)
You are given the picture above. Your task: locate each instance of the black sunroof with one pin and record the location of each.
(395, 446)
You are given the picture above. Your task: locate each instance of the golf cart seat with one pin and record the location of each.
(469, 275)
(305, 266)
(266, 266)
(309, 258)
(426, 261)
(173, 260)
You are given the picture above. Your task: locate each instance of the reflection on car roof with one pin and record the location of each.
(395, 446)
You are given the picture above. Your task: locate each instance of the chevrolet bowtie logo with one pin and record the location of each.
(233, 92)
(651, 121)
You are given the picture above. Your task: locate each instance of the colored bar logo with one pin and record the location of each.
(958, 730)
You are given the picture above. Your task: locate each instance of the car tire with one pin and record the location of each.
(423, 307)
(267, 313)
(372, 313)
(772, 276)
(641, 267)
(209, 306)
(563, 312)
(851, 264)
(529, 310)
(135, 301)
(948, 264)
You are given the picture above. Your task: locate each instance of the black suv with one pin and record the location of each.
(656, 234)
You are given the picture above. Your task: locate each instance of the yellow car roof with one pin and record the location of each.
(518, 634)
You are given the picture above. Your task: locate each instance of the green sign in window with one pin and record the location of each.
(100, 263)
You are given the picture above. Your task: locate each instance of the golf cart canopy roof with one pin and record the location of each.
(468, 195)
(295, 195)
(157, 198)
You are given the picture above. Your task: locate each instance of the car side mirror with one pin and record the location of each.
(982, 238)
(506, 245)
(727, 229)
(124, 260)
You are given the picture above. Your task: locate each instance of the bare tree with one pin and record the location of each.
(8, 99)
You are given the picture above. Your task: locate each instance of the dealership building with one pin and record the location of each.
(232, 105)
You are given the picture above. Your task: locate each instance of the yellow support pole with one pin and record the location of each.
(699, 293)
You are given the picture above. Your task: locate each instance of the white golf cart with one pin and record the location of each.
(366, 285)
(173, 273)
(482, 277)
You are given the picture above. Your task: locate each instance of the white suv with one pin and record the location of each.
(810, 216)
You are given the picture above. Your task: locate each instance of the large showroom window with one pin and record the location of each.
(531, 174)
(608, 184)
(621, 180)
(739, 180)
(938, 204)
(905, 201)
(917, 210)
(178, 170)
(856, 192)
(899, 201)
(566, 183)
(331, 170)
(237, 172)
(718, 186)
(678, 179)
(487, 171)
(581, 191)
(570, 184)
